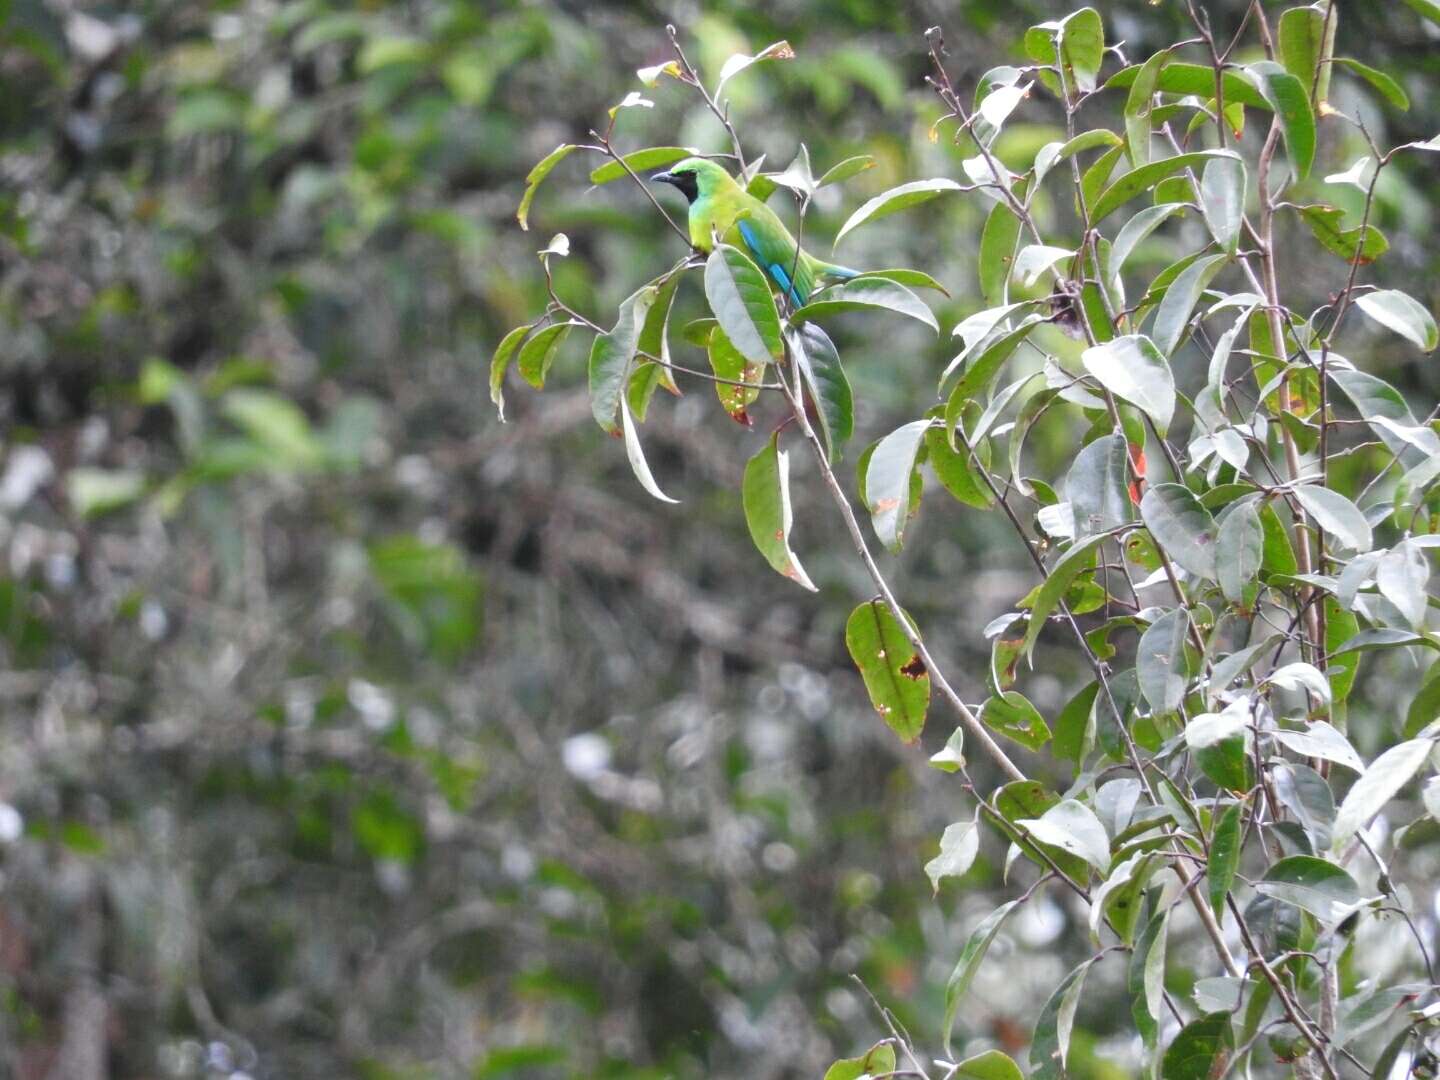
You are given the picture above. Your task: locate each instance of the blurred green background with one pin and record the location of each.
(349, 732)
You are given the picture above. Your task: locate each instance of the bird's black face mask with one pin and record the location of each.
(685, 181)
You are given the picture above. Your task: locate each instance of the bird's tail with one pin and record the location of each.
(834, 271)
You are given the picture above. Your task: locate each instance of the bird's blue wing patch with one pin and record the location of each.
(775, 270)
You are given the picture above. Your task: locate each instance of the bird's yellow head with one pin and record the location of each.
(695, 177)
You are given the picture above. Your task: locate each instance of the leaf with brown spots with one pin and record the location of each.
(894, 675)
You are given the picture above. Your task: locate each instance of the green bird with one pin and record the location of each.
(719, 206)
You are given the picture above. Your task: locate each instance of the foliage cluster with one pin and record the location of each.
(1248, 520)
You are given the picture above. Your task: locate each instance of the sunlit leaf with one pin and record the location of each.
(971, 957)
(887, 481)
(1160, 661)
(1144, 178)
(536, 176)
(640, 161)
(958, 848)
(781, 50)
(1337, 515)
(867, 293)
(1401, 313)
(1133, 369)
(1380, 783)
(1315, 885)
(766, 497)
(1172, 317)
(896, 199)
(740, 299)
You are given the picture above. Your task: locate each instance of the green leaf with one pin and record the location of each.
(879, 1060)
(610, 357)
(1079, 557)
(894, 674)
(982, 370)
(1224, 858)
(276, 423)
(1401, 575)
(1082, 48)
(1052, 154)
(1071, 826)
(971, 957)
(1118, 897)
(1314, 885)
(500, 364)
(1386, 775)
(887, 481)
(991, 1065)
(92, 492)
(1401, 313)
(860, 294)
(819, 364)
(640, 161)
(740, 299)
(1321, 740)
(1201, 1051)
(844, 170)
(956, 471)
(1337, 515)
(997, 252)
(1172, 318)
(1012, 715)
(1239, 550)
(911, 279)
(636, 455)
(1290, 98)
(1219, 743)
(765, 493)
(1073, 723)
(1144, 178)
(1197, 79)
(1182, 527)
(1325, 223)
(1306, 794)
(1160, 661)
(1229, 669)
(1303, 46)
(1139, 105)
(958, 848)
(1145, 977)
(894, 200)
(1137, 229)
(1222, 198)
(1133, 369)
(1425, 707)
(727, 363)
(539, 352)
(1392, 91)
(1050, 1044)
(536, 176)
(737, 63)
(1096, 486)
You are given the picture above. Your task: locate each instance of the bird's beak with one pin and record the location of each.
(665, 178)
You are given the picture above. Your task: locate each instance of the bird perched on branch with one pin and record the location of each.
(719, 206)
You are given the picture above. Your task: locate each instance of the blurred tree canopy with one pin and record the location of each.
(350, 732)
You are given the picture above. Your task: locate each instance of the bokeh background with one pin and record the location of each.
(349, 732)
